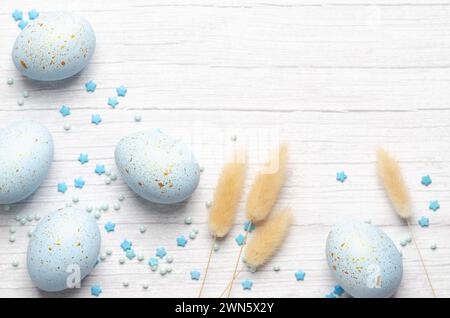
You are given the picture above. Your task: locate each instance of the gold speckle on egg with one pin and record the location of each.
(23, 64)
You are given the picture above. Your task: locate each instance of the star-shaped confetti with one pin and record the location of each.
(121, 90)
(240, 239)
(96, 119)
(99, 169)
(113, 102)
(17, 15)
(64, 110)
(249, 226)
(181, 241)
(341, 176)
(426, 180)
(96, 290)
(130, 254)
(424, 221)
(33, 14)
(62, 187)
(90, 86)
(195, 275)
(22, 24)
(83, 158)
(110, 227)
(434, 205)
(247, 284)
(330, 295)
(153, 262)
(79, 183)
(300, 275)
(338, 290)
(161, 252)
(126, 245)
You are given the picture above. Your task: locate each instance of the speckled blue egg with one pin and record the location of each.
(364, 260)
(26, 153)
(64, 248)
(54, 46)
(157, 167)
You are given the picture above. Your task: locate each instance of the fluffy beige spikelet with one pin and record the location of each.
(267, 186)
(394, 184)
(228, 193)
(268, 238)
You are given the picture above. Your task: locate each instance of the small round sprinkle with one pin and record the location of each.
(169, 259)
(12, 238)
(89, 209)
(97, 215)
(163, 270)
(188, 220)
(208, 204)
(122, 260)
(140, 257)
(216, 247)
(20, 101)
(105, 207)
(109, 252)
(169, 269)
(108, 173)
(75, 199)
(103, 256)
(37, 217)
(192, 235)
(29, 218)
(276, 268)
(252, 269)
(107, 180)
(116, 206)
(195, 230)
(142, 229)
(15, 263)
(145, 285)
(23, 221)
(433, 246)
(408, 238)
(10, 81)
(403, 242)
(30, 233)
(154, 268)
(125, 283)
(233, 138)
(113, 176)
(67, 127)
(137, 118)
(121, 197)
(202, 169)
(12, 229)
(26, 94)
(17, 218)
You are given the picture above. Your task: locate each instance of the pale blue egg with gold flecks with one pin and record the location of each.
(55, 46)
(64, 249)
(157, 167)
(364, 260)
(26, 153)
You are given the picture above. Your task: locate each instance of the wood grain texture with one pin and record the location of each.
(332, 78)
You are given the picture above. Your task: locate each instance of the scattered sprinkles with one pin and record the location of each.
(110, 227)
(130, 254)
(426, 180)
(434, 205)
(338, 290)
(26, 94)
(83, 158)
(181, 241)
(22, 24)
(195, 275)
(341, 176)
(121, 91)
(247, 284)
(188, 220)
(142, 229)
(424, 221)
(137, 118)
(33, 14)
(249, 226)
(126, 245)
(17, 15)
(96, 290)
(15, 263)
(79, 183)
(96, 119)
(62, 187)
(433, 246)
(300, 275)
(161, 252)
(113, 102)
(99, 169)
(240, 239)
(90, 86)
(64, 110)
(153, 262)
(10, 81)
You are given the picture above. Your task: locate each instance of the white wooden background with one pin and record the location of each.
(334, 78)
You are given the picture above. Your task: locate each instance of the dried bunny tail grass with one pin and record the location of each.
(267, 186)
(228, 193)
(394, 184)
(268, 238)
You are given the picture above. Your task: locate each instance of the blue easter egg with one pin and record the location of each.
(157, 167)
(26, 153)
(364, 260)
(55, 46)
(63, 249)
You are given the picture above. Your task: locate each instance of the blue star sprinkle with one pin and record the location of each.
(240, 239)
(153, 262)
(17, 15)
(99, 169)
(96, 119)
(110, 227)
(161, 252)
(62, 187)
(426, 180)
(341, 176)
(79, 183)
(181, 241)
(113, 102)
(64, 110)
(83, 158)
(247, 225)
(33, 14)
(424, 221)
(338, 290)
(434, 205)
(22, 24)
(121, 90)
(126, 245)
(96, 290)
(330, 295)
(195, 275)
(300, 275)
(130, 254)
(247, 284)
(90, 86)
